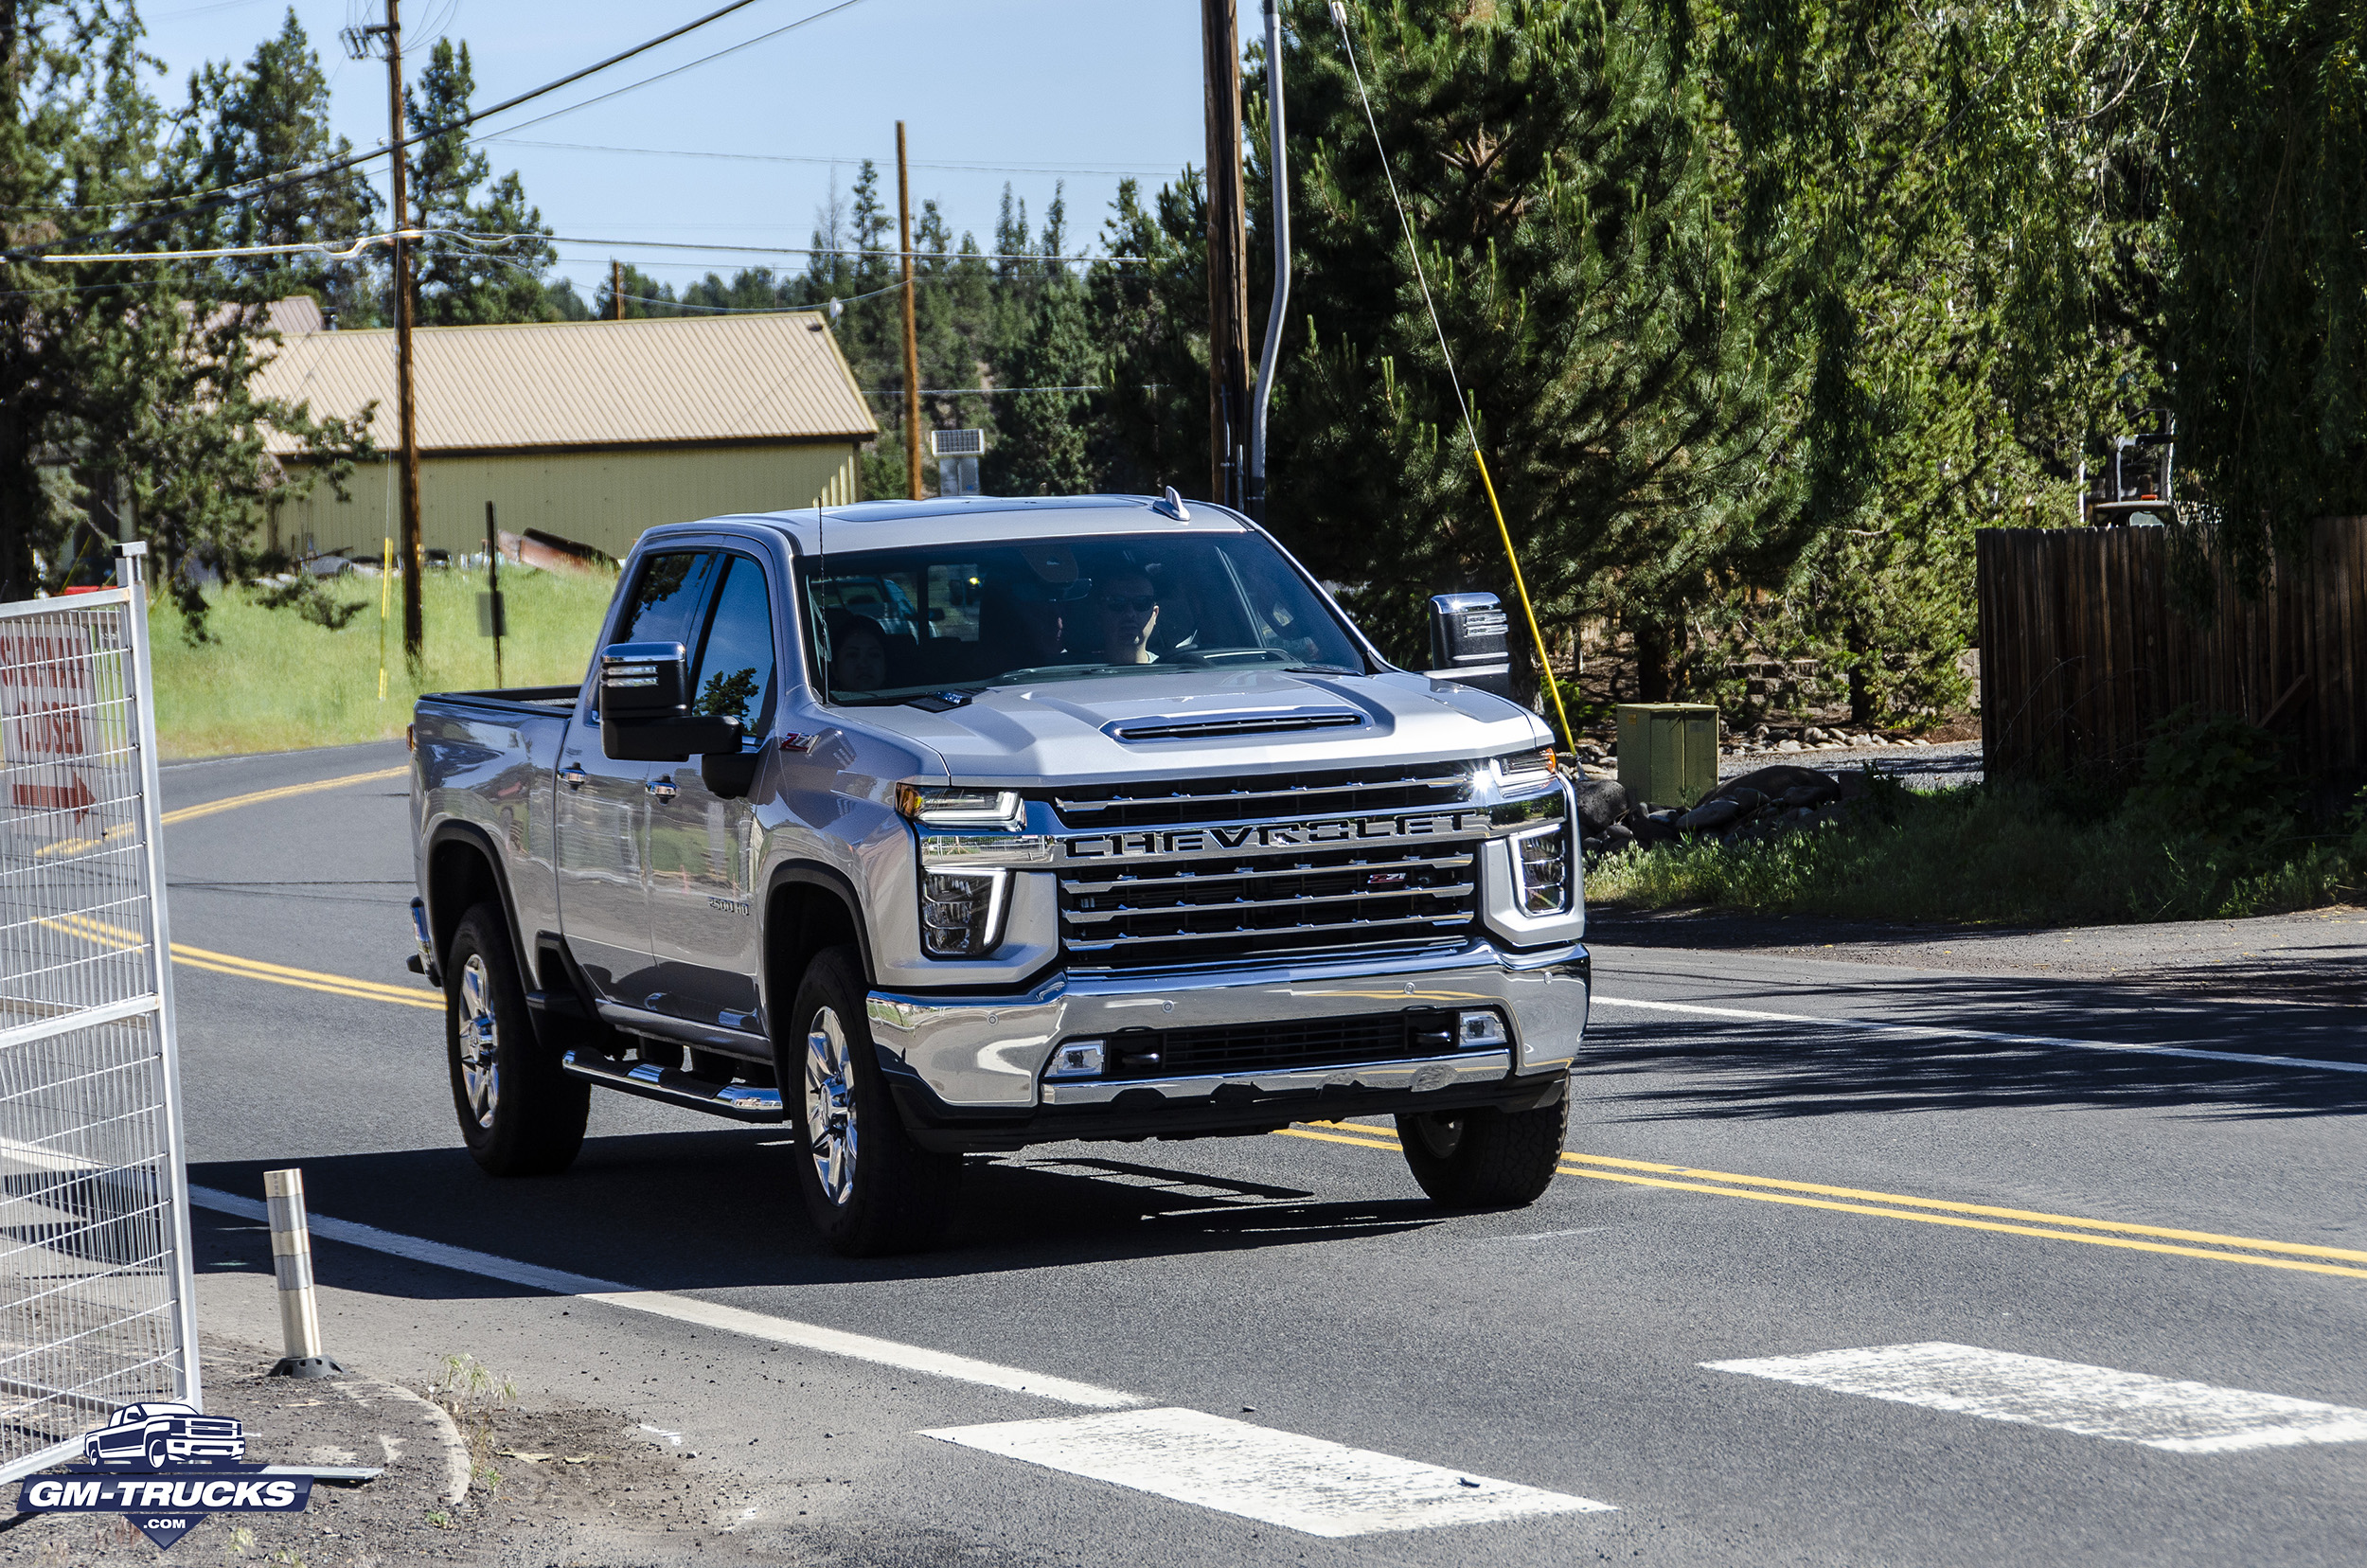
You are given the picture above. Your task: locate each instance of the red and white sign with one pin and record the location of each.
(49, 698)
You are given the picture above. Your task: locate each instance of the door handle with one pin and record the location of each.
(662, 789)
(573, 776)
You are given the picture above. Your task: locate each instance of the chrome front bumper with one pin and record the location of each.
(988, 1052)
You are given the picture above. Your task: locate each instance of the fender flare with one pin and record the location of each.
(453, 830)
(801, 874)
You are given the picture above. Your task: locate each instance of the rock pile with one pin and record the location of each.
(1782, 799)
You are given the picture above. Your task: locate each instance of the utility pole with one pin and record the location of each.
(616, 290)
(414, 561)
(1228, 251)
(912, 335)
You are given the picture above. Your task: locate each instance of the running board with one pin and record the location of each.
(671, 1086)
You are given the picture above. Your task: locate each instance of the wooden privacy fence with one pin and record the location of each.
(2083, 649)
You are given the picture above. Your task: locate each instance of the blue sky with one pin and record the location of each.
(1032, 92)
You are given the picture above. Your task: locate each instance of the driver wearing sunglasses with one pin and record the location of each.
(1128, 606)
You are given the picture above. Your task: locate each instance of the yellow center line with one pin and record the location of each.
(1981, 1224)
(189, 814)
(2302, 1247)
(1576, 1164)
(106, 934)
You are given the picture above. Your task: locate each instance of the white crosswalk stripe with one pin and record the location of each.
(2093, 1401)
(1275, 1477)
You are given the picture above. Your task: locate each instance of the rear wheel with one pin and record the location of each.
(519, 1114)
(868, 1188)
(1485, 1158)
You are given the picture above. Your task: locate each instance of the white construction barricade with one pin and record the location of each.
(96, 1304)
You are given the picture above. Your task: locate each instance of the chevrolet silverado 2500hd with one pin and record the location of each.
(960, 826)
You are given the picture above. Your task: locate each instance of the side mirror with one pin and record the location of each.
(644, 707)
(1468, 643)
(644, 681)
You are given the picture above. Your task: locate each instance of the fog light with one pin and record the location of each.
(1078, 1059)
(1476, 1029)
(961, 913)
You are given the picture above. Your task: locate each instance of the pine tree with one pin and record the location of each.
(120, 381)
(487, 262)
(262, 119)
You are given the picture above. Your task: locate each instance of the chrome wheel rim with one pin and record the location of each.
(830, 1107)
(480, 1040)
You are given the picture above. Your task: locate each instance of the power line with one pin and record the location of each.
(703, 60)
(795, 250)
(231, 195)
(503, 138)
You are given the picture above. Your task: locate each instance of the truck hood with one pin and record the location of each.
(1190, 722)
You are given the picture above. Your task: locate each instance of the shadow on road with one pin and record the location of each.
(695, 1210)
(1733, 1068)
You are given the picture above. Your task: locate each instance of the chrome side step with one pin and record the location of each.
(671, 1086)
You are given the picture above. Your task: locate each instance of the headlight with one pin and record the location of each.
(961, 913)
(939, 808)
(1528, 767)
(1541, 860)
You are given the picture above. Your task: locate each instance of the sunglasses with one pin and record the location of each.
(1119, 603)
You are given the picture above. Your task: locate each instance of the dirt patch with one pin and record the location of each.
(568, 1485)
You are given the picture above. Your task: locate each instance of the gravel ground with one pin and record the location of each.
(569, 1484)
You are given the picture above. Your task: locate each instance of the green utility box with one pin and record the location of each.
(1669, 751)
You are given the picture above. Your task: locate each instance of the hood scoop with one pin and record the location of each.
(1221, 726)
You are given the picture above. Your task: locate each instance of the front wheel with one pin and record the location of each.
(519, 1114)
(1485, 1158)
(869, 1188)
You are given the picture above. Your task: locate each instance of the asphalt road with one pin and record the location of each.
(1774, 1155)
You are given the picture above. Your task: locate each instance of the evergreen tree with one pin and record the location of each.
(249, 123)
(464, 281)
(120, 382)
(1042, 448)
(1561, 183)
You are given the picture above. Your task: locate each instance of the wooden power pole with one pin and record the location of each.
(414, 556)
(616, 290)
(1228, 253)
(912, 334)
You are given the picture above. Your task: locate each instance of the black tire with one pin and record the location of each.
(886, 1194)
(1485, 1158)
(528, 1119)
(158, 1455)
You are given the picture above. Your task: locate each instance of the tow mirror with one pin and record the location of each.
(1468, 643)
(644, 681)
(644, 707)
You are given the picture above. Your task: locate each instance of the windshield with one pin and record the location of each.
(935, 623)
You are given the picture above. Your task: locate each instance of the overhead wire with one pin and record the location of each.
(248, 190)
(1414, 249)
(506, 139)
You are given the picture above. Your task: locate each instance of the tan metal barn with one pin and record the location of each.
(591, 431)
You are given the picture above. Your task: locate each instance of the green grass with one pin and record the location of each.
(270, 680)
(1994, 854)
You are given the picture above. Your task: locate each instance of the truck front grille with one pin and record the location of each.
(1408, 786)
(1242, 1048)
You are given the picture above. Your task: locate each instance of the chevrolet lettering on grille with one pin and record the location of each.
(1171, 842)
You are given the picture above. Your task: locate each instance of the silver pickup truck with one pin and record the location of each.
(935, 827)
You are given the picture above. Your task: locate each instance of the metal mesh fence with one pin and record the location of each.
(94, 1263)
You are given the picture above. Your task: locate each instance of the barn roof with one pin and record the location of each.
(536, 385)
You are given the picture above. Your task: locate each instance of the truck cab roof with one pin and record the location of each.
(952, 520)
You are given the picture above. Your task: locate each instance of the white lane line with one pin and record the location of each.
(706, 1314)
(1928, 1031)
(2093, 1401)
(1275, 1477)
